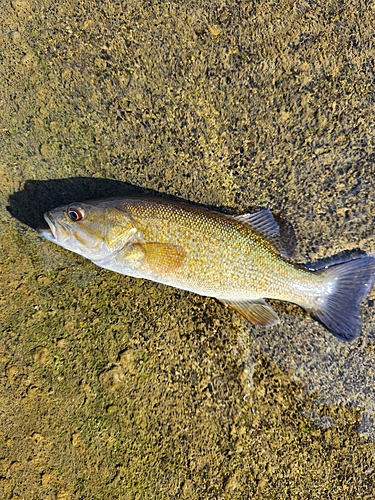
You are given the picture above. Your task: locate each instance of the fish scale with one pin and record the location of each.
(223, 256)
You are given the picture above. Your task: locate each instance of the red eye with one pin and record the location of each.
(75, 213)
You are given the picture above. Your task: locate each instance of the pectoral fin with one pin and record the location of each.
(256, 311)
(162, 258)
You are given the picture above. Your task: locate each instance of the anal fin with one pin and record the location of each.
(256, 311)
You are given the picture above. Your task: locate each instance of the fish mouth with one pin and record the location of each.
(46, 233)
(50, 233)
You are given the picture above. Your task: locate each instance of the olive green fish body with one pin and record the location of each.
(224, 258)
(237, 259)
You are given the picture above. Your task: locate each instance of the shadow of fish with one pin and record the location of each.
(240, 260)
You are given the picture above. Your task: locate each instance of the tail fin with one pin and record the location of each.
(351, 281)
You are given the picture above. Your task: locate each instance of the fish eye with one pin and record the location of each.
(75, 213)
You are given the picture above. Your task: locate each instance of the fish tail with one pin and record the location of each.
(339, 310)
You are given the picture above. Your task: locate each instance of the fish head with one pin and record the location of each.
(96, 230)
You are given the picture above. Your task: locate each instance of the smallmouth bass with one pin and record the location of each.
(239, 260)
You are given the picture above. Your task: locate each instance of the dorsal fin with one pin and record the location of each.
(276, 231)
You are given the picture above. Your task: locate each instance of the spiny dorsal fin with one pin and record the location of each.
(273, 228)
(256, 311)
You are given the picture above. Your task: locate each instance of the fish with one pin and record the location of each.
(241, 260)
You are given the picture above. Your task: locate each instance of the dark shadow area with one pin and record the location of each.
(37, 197)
